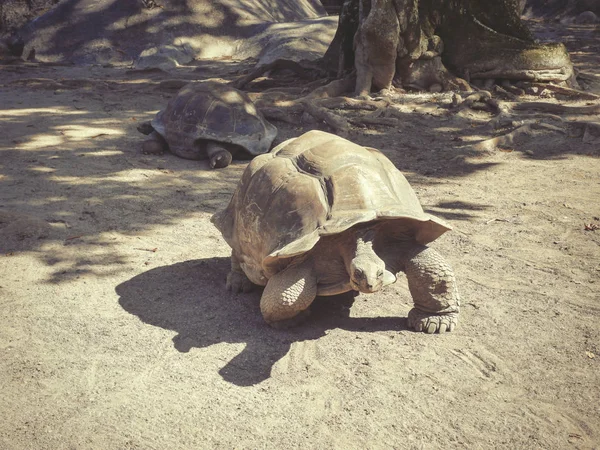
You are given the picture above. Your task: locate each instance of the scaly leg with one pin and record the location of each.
(288, 295)
(432, 285)
(218, 155)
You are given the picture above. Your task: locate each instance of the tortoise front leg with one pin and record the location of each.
(288, 295)
(237, 281)
(155, 145)
(432, 285)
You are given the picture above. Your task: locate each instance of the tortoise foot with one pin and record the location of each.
(238, 282)
(431, 322)
(152, 147)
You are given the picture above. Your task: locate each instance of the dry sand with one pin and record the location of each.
(117, 332)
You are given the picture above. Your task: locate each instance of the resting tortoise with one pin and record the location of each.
(209, 120)
(320, 215)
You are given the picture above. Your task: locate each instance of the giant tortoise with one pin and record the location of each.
(209, 120)
(320, 215)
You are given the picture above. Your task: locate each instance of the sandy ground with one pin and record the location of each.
(117, 332)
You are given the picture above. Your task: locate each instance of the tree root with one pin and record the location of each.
(505, 93)
(562, 90)
(338, 123)
(506, 140)
(272, 113)
(505, 120)
(352, 103)
(558, 109)
(303, 69)
(481, 100)
(369, 120)
(276, 105)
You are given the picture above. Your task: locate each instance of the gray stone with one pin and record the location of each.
(586, 17)
(164, 57)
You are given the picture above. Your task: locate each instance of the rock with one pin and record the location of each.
(164, 57)
(306, 39)
(118, 32)
(586, 17)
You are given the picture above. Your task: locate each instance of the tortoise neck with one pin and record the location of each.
(364, 241)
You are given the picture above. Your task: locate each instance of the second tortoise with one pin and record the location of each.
(209, 120)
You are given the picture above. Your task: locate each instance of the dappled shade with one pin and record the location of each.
(115, 31)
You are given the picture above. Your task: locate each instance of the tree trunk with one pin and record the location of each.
(429, 44)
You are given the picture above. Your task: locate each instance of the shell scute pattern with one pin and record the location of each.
(313, 186)
(211, 111)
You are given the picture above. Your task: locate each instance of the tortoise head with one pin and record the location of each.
(367, 270)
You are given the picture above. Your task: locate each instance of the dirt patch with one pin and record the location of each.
(118, 332)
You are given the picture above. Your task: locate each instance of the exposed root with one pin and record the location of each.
(558, 109)
(44, 83)
(352, 103)
(509, 87)
(276, 105)
(505, 120)
(334, 89)
(481, 100)
(562, 90)
(279, 114)
(303, 69)
(338, 123)
(505, 93)
(588, 131)
(369, 120)
(506, 140)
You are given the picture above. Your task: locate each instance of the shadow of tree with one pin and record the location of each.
(190, 299)
(70, 156)
(74, 157)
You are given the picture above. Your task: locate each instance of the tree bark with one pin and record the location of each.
(413, 43)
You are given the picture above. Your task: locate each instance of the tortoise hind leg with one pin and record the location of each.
(218, 155)
(288, 295)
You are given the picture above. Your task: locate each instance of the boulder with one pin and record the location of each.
(118, 32)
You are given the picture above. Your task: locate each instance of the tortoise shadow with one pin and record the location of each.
(190, 298)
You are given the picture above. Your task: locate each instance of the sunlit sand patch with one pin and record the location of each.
(41, 141)
(83, 132)
(42, 169)
(105, 153)
(37, 111)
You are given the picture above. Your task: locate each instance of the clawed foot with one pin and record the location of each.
(238, 282)
(430, 322)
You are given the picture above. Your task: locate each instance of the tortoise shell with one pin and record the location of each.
(216, 112)
(316, 185)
